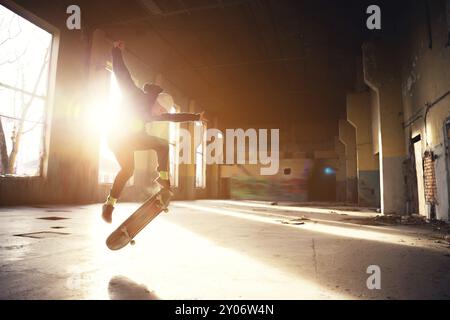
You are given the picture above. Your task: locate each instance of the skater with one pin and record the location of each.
(127, 133)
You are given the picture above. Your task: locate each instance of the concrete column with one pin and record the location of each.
(341, 172)
(381, 74)
(368, 173)
(347, 135)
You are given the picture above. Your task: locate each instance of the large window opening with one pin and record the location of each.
(25, 51)
(108, 165)
(200, 161)
(174, 150)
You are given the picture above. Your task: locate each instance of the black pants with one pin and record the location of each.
(124, 147)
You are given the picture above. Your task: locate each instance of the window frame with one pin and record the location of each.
(51, 85)
(175, 151)
(202, 154)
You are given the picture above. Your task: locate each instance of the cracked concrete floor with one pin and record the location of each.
(216, 250)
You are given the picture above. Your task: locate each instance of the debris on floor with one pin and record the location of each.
(297, 221)
(413, 219)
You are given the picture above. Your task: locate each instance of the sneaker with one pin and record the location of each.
(107, 211)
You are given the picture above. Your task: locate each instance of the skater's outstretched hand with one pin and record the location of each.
(119, 44)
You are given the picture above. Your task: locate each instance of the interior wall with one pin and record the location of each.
(425, 78)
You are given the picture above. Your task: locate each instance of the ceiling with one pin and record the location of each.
(259, 61)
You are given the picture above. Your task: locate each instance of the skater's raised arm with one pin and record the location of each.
(120, 69)
(180, 117)
(177, 117)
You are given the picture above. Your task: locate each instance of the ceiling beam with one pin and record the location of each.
(240, 64)
(155, 9)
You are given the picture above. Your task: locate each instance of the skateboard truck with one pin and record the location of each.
(125, 231)
(161, 203)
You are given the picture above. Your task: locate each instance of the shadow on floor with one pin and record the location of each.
(122, 288)
(329, 259)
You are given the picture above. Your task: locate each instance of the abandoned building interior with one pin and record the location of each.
(363, 119)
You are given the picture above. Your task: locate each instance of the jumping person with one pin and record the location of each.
(127, 134)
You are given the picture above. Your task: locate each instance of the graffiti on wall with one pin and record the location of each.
(290, 184)
(250, 188)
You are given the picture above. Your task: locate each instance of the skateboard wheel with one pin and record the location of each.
(166, 210)
(132, 242)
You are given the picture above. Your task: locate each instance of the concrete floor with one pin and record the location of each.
(217, 250)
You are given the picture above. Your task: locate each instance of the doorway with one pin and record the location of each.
(417, 143)
(322, 183)
(447, 155)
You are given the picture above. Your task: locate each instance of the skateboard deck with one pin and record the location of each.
(149, 210)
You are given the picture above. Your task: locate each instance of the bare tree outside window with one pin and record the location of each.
(24, 71)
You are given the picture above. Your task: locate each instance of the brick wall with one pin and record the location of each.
(429, 178)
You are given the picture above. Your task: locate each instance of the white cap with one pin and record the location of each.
(165, 100)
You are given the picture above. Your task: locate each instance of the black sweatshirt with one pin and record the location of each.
(136, 103)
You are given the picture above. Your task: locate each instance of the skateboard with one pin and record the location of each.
(149, 210)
